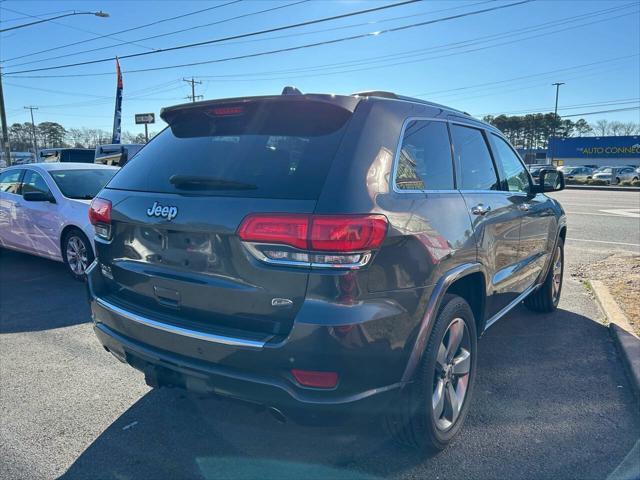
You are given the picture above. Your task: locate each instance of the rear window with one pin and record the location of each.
(276, 149)
(81, 184)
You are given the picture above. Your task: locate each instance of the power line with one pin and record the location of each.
(623, 101)
(405, 54)
(454, 45)
(125, 30)
(166, 34)
(285, 27)
(584, 114)
(73, 27)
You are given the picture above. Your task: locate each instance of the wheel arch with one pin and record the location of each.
(66, 230)
(468, 278)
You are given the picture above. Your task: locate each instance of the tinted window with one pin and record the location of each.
(424, 162)
(514, 172)
(33, 182)
(81, 184)
(82, 156)
(473, 161)
(10, 181)
(268, 149)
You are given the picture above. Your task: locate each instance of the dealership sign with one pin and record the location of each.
(594, 147)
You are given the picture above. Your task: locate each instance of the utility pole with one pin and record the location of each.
(33, 130)
(5, 129)
(555, 116)
(193, 95)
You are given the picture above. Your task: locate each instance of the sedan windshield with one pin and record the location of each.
(82, 184)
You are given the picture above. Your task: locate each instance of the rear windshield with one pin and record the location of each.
(277, 149)
(81, 184)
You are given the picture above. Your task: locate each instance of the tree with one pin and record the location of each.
(20, 137)
(50, 134)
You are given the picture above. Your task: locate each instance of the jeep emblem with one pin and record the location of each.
(158, 210)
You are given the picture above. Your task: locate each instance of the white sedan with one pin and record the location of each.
(44, 210)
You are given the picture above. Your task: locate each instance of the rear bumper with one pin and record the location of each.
(253, 369)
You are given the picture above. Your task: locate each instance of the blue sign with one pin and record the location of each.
(595, 147)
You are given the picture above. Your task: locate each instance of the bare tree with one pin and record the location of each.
(600, 128)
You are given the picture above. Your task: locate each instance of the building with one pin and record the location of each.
(598, 151)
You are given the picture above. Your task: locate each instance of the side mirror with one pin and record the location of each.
(38, 197)
(550, 180)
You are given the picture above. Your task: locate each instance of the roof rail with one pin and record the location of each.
(384, 94)
(289, 90)
(375, 93)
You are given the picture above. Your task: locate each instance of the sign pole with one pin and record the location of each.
(146, 133)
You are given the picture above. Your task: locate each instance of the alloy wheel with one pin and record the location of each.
(451, 380)
(557, 273)
(77, 255)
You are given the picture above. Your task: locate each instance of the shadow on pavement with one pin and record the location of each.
(58, 296)
(551, 401)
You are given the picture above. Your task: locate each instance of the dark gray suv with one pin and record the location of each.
(323, 255)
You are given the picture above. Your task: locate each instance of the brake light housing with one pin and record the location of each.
(100, 217)
(327, 241)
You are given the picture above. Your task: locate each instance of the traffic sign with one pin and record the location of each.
(145, 118)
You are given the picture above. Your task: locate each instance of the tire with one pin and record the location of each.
(414, 421)
(547, 297)
(617, 181)
(77, 253)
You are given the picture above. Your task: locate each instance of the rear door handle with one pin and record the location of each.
(481, 209)
(524, 207)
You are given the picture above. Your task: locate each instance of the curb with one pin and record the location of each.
(602, 187)
(627, 343)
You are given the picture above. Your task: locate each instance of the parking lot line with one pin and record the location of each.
(604, 241)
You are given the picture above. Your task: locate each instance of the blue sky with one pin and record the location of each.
(496, 62)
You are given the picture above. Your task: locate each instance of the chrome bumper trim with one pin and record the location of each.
(185, 332)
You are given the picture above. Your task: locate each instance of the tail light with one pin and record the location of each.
(100, 217)
(345, 241)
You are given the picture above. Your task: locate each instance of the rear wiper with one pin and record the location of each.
(208, 183)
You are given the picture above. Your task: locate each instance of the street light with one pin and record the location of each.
(97, 14)
(3, 115)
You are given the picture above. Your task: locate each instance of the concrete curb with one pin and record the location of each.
(602, 187)
(627, 343)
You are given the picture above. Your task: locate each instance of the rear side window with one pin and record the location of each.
(266, 149)
(473, 161)
(424, 161)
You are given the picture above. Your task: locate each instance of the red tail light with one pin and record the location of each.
(347, 233)
(100, 211)
(329, 233)
(313, 379)
(272, 228)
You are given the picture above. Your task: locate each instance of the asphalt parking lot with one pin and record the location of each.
(551, 401)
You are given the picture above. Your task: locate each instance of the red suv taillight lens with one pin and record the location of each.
(347, 233)
(100, 216)
(282, 229)
(345, 240)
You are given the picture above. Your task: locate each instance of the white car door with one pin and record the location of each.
(9, 198)
(40, 220)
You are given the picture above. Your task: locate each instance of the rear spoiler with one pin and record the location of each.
(168, 114)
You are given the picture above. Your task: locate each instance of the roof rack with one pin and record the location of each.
(385, 94)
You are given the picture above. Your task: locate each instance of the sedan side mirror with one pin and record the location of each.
(38, 197)
(550, 180)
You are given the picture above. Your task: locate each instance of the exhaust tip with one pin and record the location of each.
(277, 414)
